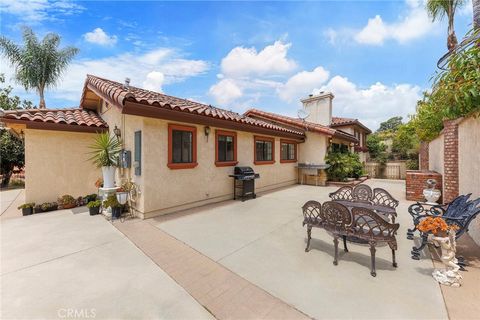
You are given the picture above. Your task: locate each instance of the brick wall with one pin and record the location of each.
(450, 172)
(416, 181)
(424, 156)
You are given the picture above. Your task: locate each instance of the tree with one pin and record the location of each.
(375, 146)
(476, 14)
(438, 9)
(38, 64)
(11, 147)
(391, 124)
(405, 142)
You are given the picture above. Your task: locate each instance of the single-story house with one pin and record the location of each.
(182, 151)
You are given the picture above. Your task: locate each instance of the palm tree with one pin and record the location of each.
(476, 14)
(437, 9)
(38, 64)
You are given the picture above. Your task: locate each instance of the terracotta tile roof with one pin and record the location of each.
(77, 117)
(295, 122)
(299, 123)
(338, 122)
(342, 121)
(117, 94)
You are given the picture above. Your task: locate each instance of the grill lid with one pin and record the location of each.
(243, 171)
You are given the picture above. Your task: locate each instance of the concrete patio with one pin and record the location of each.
(232, 260)
(66, 263)
(263, 241)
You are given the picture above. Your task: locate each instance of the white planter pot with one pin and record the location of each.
(108, 177)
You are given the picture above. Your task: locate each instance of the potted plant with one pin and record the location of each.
(90, 197)
(67, 202)
(105, 152)
(47, 206)
(27, 208)
(94, 207)
(113, 203)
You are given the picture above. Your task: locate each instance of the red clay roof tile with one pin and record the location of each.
(79, 117)
(116, 93)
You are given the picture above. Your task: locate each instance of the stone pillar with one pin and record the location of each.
(450, 153)
(423, 155)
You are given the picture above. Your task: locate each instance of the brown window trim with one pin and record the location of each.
(189, 165)
(296, 148)
(229, 134)
(261, 138)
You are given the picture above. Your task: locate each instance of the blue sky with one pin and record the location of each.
(375, 56)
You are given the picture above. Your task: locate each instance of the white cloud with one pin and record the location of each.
(302, 83)
(154, 81)
(35, 11)
(98, 36)
(140, 68)
(373, 104)
(225, 91)
(415, 24)
(270, 60)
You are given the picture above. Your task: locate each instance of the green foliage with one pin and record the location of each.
(106, 150)
(38, 64)
(391, 124)
(90, 197)
(455, 93)
(94, 204)
(11, 155)
(405, 142)
(375, 145)
(67, 200)
(9, 102)
(412, 164)
(49, 206)
(112, 202)
(343, 166)
(438, 9)
(26, 205)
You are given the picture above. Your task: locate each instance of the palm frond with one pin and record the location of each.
(105, 150)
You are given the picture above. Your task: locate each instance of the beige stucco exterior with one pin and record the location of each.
(468, 162)
(57, 164)
(435, 158)
(314, 149)
(469, 165)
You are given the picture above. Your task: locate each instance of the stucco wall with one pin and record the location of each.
(57, 164)
(314, 149)
(469, 165)
(435, 152)
(167, 190)
(128, 125)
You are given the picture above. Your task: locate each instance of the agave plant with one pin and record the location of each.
(105, 150)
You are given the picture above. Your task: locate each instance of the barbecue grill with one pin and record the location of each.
(244, 179)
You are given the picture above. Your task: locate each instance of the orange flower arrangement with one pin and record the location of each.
(435, 225)
(99, 183)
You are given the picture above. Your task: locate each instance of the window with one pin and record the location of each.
(288, 151)
(264, 150)
(182, 147)
(138, 153)
(225, 148)
(340, 148)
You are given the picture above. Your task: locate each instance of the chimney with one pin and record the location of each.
(319, 108)
(126, 85)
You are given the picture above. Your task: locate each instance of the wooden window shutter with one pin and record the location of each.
(138, 152)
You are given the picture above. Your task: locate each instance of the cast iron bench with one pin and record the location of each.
(362, 196)
(461, 211)
(361, 223)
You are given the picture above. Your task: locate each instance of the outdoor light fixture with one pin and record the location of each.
(207, 131)
(117, 132)
(122, 197)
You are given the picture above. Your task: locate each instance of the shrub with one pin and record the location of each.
(90, 197)
(343, 166)
(49, 206)
(412, 164)
(94, 204)
(112, 202)
(67, 201)
(27, 205)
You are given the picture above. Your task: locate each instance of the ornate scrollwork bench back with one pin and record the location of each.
(362, 195)
(361, 223)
